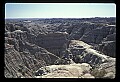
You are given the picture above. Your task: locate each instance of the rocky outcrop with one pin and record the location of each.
(111, 37)
(53, 42)
(108, 48)
(18, 64)
(110, 68)
(83, 28)
(104, 38)
(83, 70)
(25, 62)
(83, 52)
(66, 71)
(96, 36)
(100, 63)
(22, 56)
(108, 45)
(105, 70)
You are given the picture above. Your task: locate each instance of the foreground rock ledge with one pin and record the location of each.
(68, 71)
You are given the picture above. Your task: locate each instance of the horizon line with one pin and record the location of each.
(57, 17)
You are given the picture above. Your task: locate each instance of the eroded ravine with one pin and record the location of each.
(30, 47)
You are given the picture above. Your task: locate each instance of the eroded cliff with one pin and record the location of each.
(65, 46)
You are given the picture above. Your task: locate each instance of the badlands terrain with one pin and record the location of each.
(60, 48)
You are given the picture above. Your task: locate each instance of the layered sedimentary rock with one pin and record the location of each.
(22, 56)
(28, 61)
(32, 48)
(97, 35)
(53, 42)
(20, 64)
(108, 45)
(108, 48)
(104, 37)
(83, 28)
(83, 52)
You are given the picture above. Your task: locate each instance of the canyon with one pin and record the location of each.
(60, 48)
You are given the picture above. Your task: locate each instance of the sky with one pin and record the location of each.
(59, 10)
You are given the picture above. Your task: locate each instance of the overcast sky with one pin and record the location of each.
(59, 10)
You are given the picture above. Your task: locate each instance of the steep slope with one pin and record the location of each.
(108, 45)
(83, 52)
(53, 42)
(22, 56)
(96, 36)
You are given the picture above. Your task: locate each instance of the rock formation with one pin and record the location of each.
(53, 42)
(108, 45)
(83, 52)
(60, 48)
(67, 71)
(22, 57)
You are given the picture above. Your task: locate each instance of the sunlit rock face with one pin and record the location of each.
(66, 71)
(83, 52)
